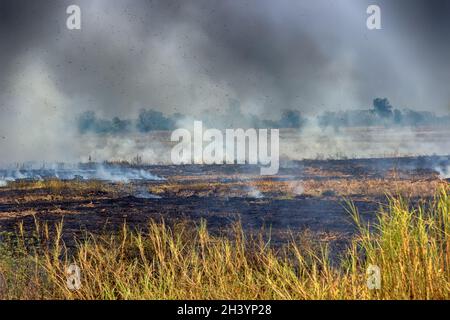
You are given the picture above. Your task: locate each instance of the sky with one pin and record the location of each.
(193, 56)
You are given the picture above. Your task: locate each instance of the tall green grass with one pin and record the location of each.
(410, 245)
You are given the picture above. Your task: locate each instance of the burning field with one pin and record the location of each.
(225, 232)
(247, 150)
(143, 228)
(306, 196)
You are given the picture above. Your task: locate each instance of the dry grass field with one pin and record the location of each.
(222, 232)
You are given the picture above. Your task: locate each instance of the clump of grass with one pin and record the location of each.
(409, 245)
(58, 185)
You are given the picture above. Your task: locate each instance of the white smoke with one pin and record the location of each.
(97, 172)
(314, 142)
(39, 122)
(444, 172)
(121, 175)
(142, 193)
(296, 187)
(253, 192)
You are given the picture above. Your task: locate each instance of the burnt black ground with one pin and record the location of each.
(323, 216)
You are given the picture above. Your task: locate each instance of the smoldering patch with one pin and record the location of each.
(143, 193)
(255, 193)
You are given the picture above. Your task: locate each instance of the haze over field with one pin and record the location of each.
(194, 57)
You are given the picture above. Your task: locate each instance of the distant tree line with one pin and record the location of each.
(148, 120)
(151, 120)
(381, 114)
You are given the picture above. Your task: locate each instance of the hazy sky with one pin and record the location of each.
(193, 56)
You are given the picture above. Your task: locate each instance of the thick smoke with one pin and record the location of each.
(191, 57)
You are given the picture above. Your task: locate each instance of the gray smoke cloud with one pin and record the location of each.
(193, 56)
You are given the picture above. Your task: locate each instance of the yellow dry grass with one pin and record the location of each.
(411, 247)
